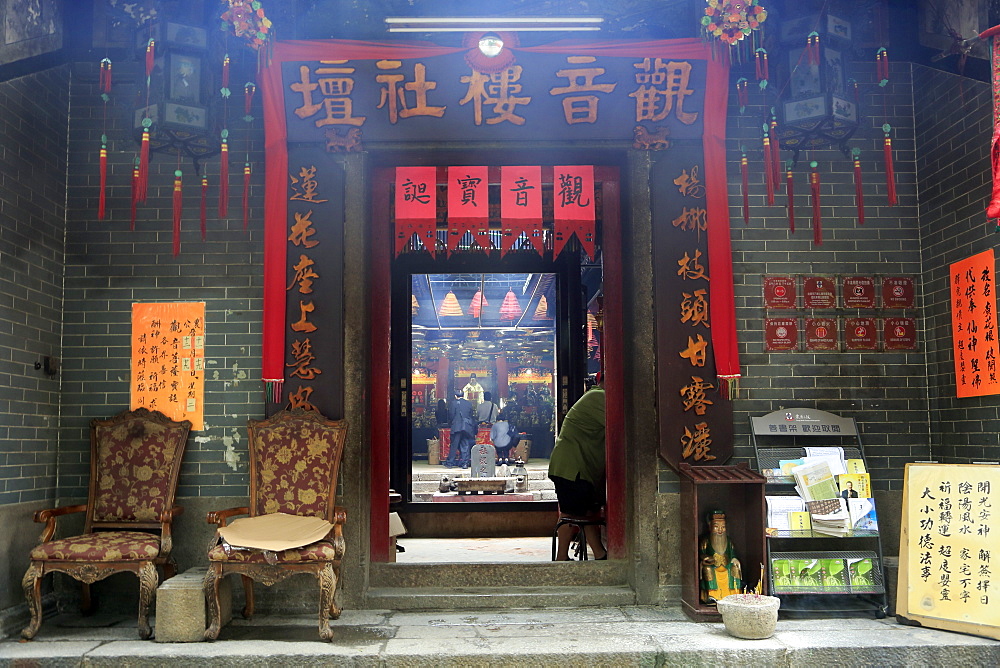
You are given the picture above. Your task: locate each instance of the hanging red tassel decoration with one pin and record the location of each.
(224, 176)
(246, 194)
(855, 91)
(775, 150)
(204, 205)
(890, 172)
(150, 56)
(745, 178)
(105, 78)
(178, 207)
(760, 65)
(135, 194)
(225, 74)
(102, 202)
(789, 187)
(248, 90)
(812, 48)
(859, 195)
(817, 221)
(882, 66)
(742, 94)
(144, 162)
(768, 168)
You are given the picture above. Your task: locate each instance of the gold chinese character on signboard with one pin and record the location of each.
(304, 186)
(689, 185)
(302, 230)
(300, 398)
(393, 96)
(580, 108)
(690, 267)
(694, 308)
(662, 89)
(499, 89)
(304, 275)
(696, 351)
(303, 324)
(694, 395)
(304, 357)
(697, 443)
(691, 219)
(334, 91)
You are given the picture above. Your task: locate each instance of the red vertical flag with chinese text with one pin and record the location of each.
(416, 207)
(573, 206)
(521, 206)
(468, 204)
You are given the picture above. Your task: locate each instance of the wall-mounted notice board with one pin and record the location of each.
(949, 548)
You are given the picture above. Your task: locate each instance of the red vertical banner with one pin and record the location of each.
(416, 207)
(573, 206)
(521, 206)
(973, 325)
(468, 203)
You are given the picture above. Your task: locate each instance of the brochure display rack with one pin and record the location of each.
(827, 557)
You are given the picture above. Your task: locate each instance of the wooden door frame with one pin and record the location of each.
(381, 380)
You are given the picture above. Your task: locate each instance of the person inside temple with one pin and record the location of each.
(473, 391)
(721, 574)
(487, 411)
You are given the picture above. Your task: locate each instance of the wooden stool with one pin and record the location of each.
(581, 551)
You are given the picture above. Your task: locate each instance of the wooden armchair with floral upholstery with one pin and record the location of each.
(135, 460)
(294, 462)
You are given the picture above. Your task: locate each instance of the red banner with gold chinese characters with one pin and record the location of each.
(416, 207)
(573, 206)
(468, 204)
(521, 206)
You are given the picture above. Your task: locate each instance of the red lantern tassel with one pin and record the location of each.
(817, 221)
(882, 66)
(248, 90)
(102, 202)
(789, 186)
(204, 205)
(760, 65)
(745, 177)
(246, 194)
(224, 177)
(150, 56)
(859, 195)
(178, 207)
(105, 80)
(768, 169)
(775, 152)
(890, 172)
(812, 49)
(225, 72)
(143, 165)
(742, 94)
(135, 195)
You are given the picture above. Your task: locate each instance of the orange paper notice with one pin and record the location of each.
(974, 325)
(168, 360)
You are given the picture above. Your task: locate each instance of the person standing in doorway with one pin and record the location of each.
(462, 432)
(577, 469)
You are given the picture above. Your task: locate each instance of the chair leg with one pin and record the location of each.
(335, 609)
(248, 596)
(86, 601)
(148, 580)
(327, 585)
(211, 589)
(32, 585)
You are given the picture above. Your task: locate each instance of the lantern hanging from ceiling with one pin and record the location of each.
(511, 308)
(478, 302)
(450, 306)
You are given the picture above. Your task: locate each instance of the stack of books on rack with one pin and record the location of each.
(842, 517)
(833, 497)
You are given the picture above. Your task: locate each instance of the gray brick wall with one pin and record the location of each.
(33, 113)
(953, 123)
(109, 267)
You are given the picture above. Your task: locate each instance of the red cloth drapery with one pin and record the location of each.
(722, 307)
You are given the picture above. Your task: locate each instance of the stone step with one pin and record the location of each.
(431, 486)
(490, 598)
(536, 495)
(500, 576)
(435, 475)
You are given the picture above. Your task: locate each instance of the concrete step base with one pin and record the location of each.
(492, 598)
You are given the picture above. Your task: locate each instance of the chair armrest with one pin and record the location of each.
(221, 517)
(166, 537)
(49, 516)
(339, 515)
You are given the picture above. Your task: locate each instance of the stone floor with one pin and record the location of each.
(611, 636)
(469, 550)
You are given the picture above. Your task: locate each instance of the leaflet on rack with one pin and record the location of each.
(842, 517)
(779, 510)
(814, 481)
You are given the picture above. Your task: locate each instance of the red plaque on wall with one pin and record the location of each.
(898, 292)
(819, 292)
(779, 292)
(900, 334)
(859, 291)
(860, 334)
(821, 334)
(781, 334)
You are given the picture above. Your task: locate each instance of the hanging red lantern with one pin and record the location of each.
(511, 308)
(478, 302)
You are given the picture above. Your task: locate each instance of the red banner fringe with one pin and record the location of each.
(817, 221)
